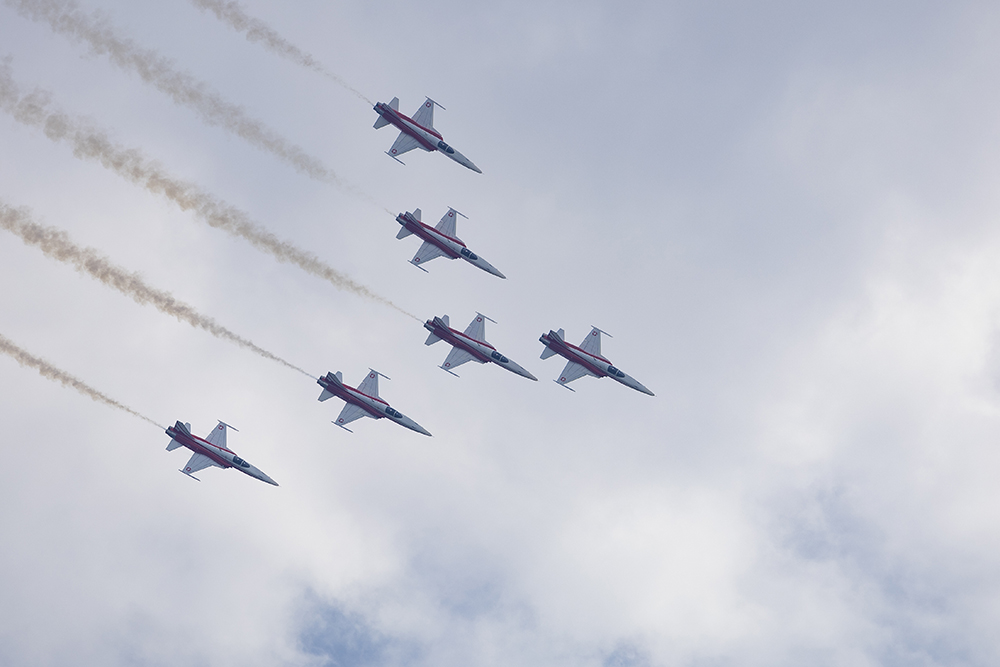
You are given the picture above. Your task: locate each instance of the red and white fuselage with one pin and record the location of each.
(479, 350)
(216, 455)
(417, 132)
(444, 244)
(583, 361)
(362, 402)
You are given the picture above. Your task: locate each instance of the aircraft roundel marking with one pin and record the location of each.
(451, 214)
(341, 421)
(188, 468)
(220, 427)
(563, 378)
(393, 150)
(593, 333)
(427, 104)
(416, 259)
(479, 319)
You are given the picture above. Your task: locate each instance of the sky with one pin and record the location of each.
(785, 214)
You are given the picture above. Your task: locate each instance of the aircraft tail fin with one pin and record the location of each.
(547, 352)
(333, 378)
(382, 120)
(447, 322)
(561, 334)
(403, 233)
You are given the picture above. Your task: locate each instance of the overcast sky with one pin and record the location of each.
(785, 214)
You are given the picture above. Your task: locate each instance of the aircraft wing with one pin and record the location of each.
(369, 385)
(350, 413)
(592, 343)
(218, 436)
(456, 358)
(447, 224)
(426, 253)
(573, 371)
(404, 144)
(425, 115)
(199, 462)
(477, 329)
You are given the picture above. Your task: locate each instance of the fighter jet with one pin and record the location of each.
(417, 132)
(585, 360)
(210, 452)
(363, 401)
(469, 346)
(439, 241)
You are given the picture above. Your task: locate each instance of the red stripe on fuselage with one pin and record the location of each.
(403, 124)
(454, 338)
(194, 443)
(576, 355)
(347, 394)
(430, 234)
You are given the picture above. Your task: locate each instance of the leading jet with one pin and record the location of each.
(585, 359)
(417, 132)
(439, 241)
(363, 401)
(210, 451)
(469, 346)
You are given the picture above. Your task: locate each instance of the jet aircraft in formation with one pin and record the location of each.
(417, 132)
(210, 451)
(363, 401)
(585, 360)
(439, 241)
(469, 346)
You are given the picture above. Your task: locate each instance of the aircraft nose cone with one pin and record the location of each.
(641, 387)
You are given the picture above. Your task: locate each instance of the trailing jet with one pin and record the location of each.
(439, 241)
(210, 452)
(417, 132)
(363, 401)
(585, 360)
(469, 346)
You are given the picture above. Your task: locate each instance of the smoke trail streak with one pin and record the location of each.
(88, 143)
(64, 16)
(56, 243)
(51, 372)
(256, 30)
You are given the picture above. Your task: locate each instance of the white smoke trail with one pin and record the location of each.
(65, 17)
(33, 109)
(56, 243)
(256, 30)
(49, 371)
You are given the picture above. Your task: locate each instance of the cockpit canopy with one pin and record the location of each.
(240, 462)
(499, 357)
(614, 371)
(393, 413)
(445, 147)
(468, 253)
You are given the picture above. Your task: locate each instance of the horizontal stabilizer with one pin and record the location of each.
(173, 445)
(339, 376)
(447, 322)
(325, 395)
(548, 352)
(394, 104)
(403, 233)
(380, 123)
(561, 334)
(431, 339)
